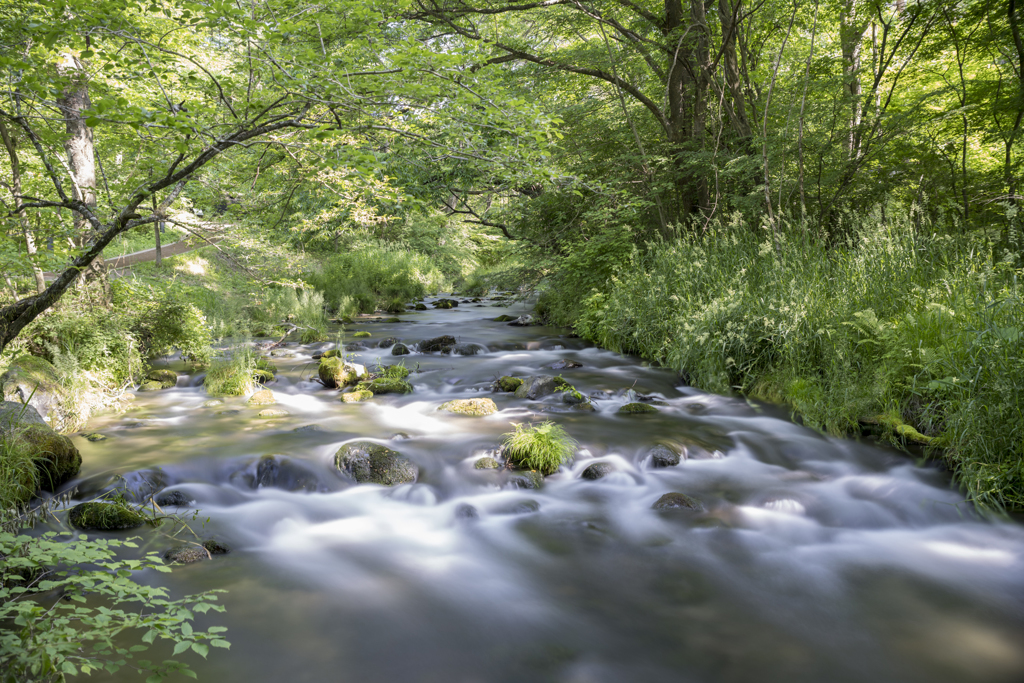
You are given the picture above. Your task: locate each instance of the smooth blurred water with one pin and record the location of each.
(817, 559)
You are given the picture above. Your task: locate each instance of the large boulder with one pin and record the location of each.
(371, 463)
(473, 407)
(677, 501)
(167, 378)
(335, 372)
(663, 455)
(446, 303)
(55, 457)
(467, 349)
(399, 350)
(34, 380)
(444, 344)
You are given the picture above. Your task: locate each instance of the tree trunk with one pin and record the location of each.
(1011, 182)
(30, 241)
(851, 32)
(728, 15)
(73, 103)
(156, 233)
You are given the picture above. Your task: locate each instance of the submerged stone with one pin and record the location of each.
(272, 412)
(444, 344)
(526, 479)
(465, 511)
(534, 388)
(421, 307)
(371, 463)
(356, 396)
(504, 318)
(399, 350)
(94, 436)
(597, 471)
(487, 463)
(189, 553)
(677, 501)
(636, 409)
(385, 343)
(213, 403)
(472, 407)
(105, 517)
(467, 349)
(664, 456)
(167, 378)
(565, 365)
(173, 499)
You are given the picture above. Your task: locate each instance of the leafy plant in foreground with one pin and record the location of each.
(542, 447)
(61, 618)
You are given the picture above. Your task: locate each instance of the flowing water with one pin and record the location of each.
(816, 559)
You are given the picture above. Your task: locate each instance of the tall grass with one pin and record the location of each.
(376, 276)
(923, 329)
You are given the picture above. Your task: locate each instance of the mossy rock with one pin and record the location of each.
(391, 320)
(386, 385)
(335, 372)
(151, 385)
(445, 343)
(534, 388)
(356, 396)
(167, 378)
(56, 458)
(346, 320)
(394, 371)
(360, 335)
(677, 501)
(472, 407)
(213, 403)
(598, 470)
(636, 408)
(664, 456)
(526, 479)
(508, 384)
(94, 436)
(446, 303)
(421, 307)
(187, 554)
(486, 463)
(263, 376)
(270, 413)
(34, 380)
(105, 517)
(399, 350)
(385, 343)
(264, 397)
(371, 463)
(174, 499)
(333, 353)
(504, 318)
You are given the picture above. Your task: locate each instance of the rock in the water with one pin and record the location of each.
(446, 303)
(167, 378)
(526, 479)
(332, 353)
(335, 372)
(272, 412)
(356, 396)
(597, 471)
(264, 397)
(473, 407)
(487, 463)
(465, 511)
(664, 456)
(355, 346)
(385, 343)
(150, 385)
(444, 344)
(677, 501)
(508, 384)
(94, 436)
(173, 499)
(309, 428)
(467, 349)
(565, 365)
(399, 350)
(186, 554)
(281, 472)
(636, 409)
(55, 456)
(421, 307)
(504, 318)
(386, 385)
(213, 403)
(105, 517)
(538, 387)
(523, 321)
(371, 463)
(216, 547)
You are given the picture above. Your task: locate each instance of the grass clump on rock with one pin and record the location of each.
(98, 516)
(235, 376)
(335, 372)
(508, 384)
(386, 385)
(637, 408)
(544, 447)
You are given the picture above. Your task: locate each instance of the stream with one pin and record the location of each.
(815, 559)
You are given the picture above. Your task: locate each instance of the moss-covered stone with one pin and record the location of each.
(189, 553)
(360, 335)
(213, 403)
(386, 385)
(105, 517)
(56, 458)
(167, 378)
(446, 303)
(486, 463)
(394, 371)
(445, 343)
(664, 456)
(371, 463)
(94, 436)
(504, 318)
(263, 376)
(421, 307)
(356, 396)
(264, 397)
(508, 384)
(526, 479)
(272, 413)
(335, 372)
(636, 408)
(472, 407)
(150, 385)
(677, 501)
(399, 350)
(387, 342)
(333, 353)
(391, 321)
(534, 388)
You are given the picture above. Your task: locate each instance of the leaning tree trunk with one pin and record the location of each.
(73, 103)
(30, 242)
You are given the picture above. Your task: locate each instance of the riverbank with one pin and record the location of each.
(916, 336)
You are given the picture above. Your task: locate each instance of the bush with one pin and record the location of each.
(374, 276)
(543, 447)
(45, 639)
(235, 375)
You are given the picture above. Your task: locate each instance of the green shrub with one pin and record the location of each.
(234, 375)
(543, 447)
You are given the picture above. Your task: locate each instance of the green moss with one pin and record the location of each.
(333, 353)
(487, 463)
(272, 413)
(335, 372)
(264, 397)
(356, 396)
(421, 307)
(509, 384)
(395, 372)
(636, 408)
(167, 378)
(56, 458)
(105, 517)
(370, 463)
(544, 447)
(361, 335)
(472, 407)
(150, 385)
(386, 385)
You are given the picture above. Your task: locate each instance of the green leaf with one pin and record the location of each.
(181, 646)
(200, 649)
